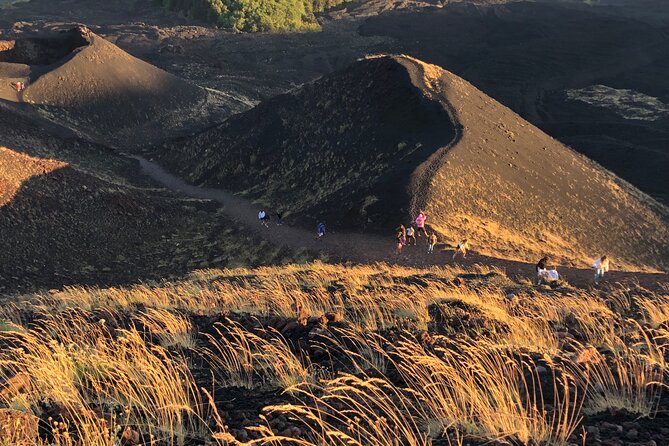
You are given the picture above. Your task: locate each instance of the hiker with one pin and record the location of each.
(279, 220)
(18, 86)
(411, 235)
(320, 230)
(401, 231)
(431, 240)
(401, 241)
(601, 266)
(461, 247)
(262, 218)
(540, 269)
(420, 223)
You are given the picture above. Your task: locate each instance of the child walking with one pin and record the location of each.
(431, 240)
(401, 241)
(461, 247)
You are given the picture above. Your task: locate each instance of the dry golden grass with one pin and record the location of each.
(355, 411)
(172, 329)
(487, 391)
(130, 352)
(245, 359)
(79, 365)
(655, 310)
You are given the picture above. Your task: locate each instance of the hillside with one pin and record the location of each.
(341, 148)
(72, 212)
(62, 226)
(79, 79)
(372, 144)
(534, 56)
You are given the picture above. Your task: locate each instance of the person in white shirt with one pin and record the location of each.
(262, 218)
(601, 266)
(411, 235)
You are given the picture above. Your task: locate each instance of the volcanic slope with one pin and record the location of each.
(388, 136)
(86, 83)
(72, 213)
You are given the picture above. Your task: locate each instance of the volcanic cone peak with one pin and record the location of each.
(373, 144)
(336, 147)
(84, 82)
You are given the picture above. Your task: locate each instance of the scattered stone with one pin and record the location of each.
(632, 434)
(130, 437)
(302, 316)
(317, 332)
(323, 321)
(333, 317)
(291, 326)
(241, 435)
(592, 431)
(612, 427)
(14, 386)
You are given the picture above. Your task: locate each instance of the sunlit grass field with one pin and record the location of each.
(353, 355)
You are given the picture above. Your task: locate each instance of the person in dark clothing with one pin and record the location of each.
(540, 268)
(401, 231)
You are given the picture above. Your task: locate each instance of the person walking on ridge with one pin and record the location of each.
(461, 247)
(601, 266)
(420, 223)
(411, 235)
(401, 231)
(320, 230)
(431, 240)
(401, 241)
(262, 218)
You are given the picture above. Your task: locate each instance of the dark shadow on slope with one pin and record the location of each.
(42, 50)
(68, 228)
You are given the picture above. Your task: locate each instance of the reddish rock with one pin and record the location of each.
(333, 317)
(15, 385)
(130, 437)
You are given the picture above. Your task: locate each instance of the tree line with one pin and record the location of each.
(255, 15)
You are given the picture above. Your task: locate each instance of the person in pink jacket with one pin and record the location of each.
(420, 224)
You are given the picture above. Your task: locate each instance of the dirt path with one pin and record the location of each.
(366, 248)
